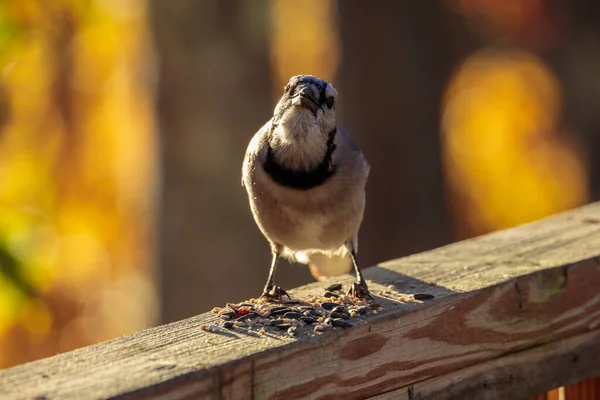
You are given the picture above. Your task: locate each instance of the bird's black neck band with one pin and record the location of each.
(298, 179)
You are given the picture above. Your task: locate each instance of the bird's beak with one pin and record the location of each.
(305, 99)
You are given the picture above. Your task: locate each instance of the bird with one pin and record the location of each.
(306, 178)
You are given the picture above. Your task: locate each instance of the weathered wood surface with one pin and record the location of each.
(516, 313)
(587, 390)
(532, 370)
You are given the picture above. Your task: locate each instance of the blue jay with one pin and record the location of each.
(305, 179)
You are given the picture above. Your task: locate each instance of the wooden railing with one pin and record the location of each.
(514, 314)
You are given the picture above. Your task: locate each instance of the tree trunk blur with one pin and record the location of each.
(213, 94)
(392, 79)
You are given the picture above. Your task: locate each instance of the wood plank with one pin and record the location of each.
(556, 394)
(444, 337)
(586, 390)
(515, 376)
(553, 394)
(500, 296)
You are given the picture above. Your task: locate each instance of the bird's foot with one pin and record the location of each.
(276, 293)
(360, 290)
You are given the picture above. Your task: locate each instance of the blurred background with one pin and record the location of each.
(123, 124)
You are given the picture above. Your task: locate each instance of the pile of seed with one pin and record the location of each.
(331, 310)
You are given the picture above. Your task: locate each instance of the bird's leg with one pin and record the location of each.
(272, 292)
(359, 288)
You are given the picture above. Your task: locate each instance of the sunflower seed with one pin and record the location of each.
(292, 315)
(363, 309)
(228, 314)
(329, 306)
(334, 287)
(279, 310)
(340, 323)
(308, 320)
(423, 296)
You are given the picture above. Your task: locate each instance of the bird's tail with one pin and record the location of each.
(325, 265)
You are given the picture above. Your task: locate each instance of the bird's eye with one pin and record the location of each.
(330, 102)
(287, 88)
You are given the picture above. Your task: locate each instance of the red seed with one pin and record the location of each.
(242, 311)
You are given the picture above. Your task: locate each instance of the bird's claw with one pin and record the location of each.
(275, 293)
(360, 290)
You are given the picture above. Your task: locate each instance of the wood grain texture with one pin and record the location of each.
(555, 394)
(517, 375)
(586, 390)
(518, 311)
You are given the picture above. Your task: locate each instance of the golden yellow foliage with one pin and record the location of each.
(76, 162)
(506, 159)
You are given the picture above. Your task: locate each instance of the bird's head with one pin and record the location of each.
(307, 103)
